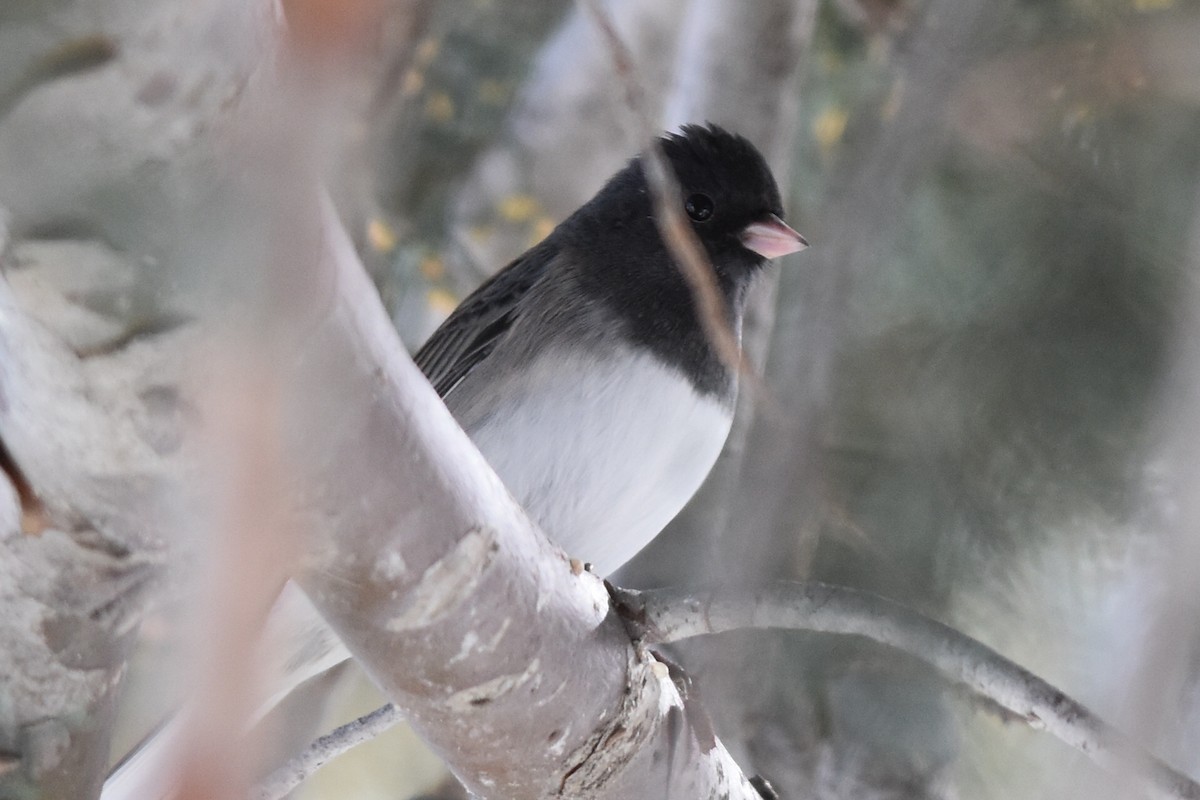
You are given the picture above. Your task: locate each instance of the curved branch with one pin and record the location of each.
(670, 615)
(328, 747)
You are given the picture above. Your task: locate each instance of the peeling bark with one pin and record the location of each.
(74, 586)
(92, 414)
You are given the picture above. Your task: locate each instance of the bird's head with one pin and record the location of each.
(730, 197)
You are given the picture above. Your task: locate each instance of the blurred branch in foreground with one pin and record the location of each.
(682, 242)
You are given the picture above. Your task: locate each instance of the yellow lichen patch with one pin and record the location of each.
(414, 81)
(481, 233)
(1078, 114)
(439, 107)
(380, 236)
(432, 268)
(427, 50)
(518, 207)
(829, 126)
(441, 301)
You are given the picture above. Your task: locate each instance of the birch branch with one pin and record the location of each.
(670, 615)
(539, 695)
(769, 85)
(328, 747)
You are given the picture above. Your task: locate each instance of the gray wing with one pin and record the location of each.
(470, 334)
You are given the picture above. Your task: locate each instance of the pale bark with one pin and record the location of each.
(89, 424)
(501, 654)
(713, 82)
(540, 694)
(99, 124)
(326, 748)
(667, 615)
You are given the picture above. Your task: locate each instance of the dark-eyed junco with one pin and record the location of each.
(583, 375)
(581, 370)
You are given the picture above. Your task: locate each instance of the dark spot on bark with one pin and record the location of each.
(81, 644)
(163, 426)
(64, 227)
(553, 735)
(145, 329)
(157, 90)
(85, 535)
(74, 55)
(33, 513)
(481, 701)
(764, 788)
(160, 399)
(617, 732)
(9, 762)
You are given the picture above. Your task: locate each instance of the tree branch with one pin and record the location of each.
(328, 747)
(671, 615)
(417, 540)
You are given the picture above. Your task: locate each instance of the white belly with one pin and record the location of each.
(601, 458)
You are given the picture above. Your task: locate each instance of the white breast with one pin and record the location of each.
(602, 452)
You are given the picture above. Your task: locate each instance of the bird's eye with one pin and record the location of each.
(699, 207)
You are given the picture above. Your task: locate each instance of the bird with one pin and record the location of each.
(582, 370)
(584, 375)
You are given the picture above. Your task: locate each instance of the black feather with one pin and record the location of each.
(470, 333)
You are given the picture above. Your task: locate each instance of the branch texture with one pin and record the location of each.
(506, 660)
(669, 615)
(325, 749)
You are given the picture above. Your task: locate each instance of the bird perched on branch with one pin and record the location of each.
(583, 370)
(584, 374)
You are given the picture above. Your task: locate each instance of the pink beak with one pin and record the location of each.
(772, 238)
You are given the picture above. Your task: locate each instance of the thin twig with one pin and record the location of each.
(678, 235)
(670, 615)
(283, 780)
